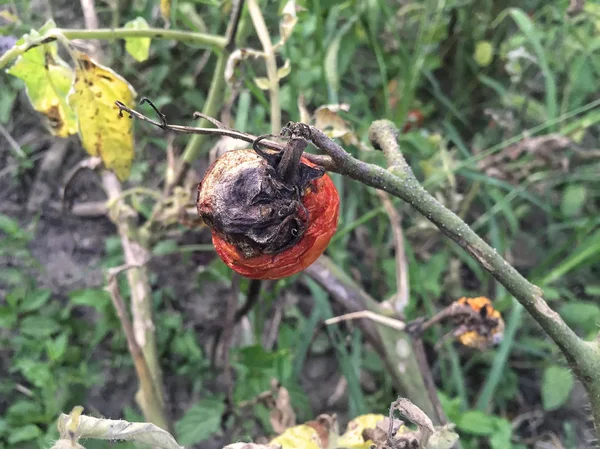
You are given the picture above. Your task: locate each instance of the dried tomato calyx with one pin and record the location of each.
(253, 199)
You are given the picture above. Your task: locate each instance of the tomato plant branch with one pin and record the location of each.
(151, 402)
(209, 40)
(270, 61)
(394, 347)
(137, 255)
(583, 357)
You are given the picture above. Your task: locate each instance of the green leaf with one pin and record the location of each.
(592, 290)
(12, 228)
(557, 382)
(581, 314)
(92, 297)
(48, 80)
(12, 276)
(533, 35)
(573, 200)
(39, 326)
(38, 373)
(256, 358)
(57, 347)
(484, 53)
(200, 421)
(501, 438)
(138, 47)
(331, 59)
(476, 423)
(34, 299)
(23, 411)
(25, 433)
(8, 317)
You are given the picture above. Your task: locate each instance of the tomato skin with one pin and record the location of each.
(322, 202)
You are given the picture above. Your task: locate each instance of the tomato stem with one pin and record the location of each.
(287, 168)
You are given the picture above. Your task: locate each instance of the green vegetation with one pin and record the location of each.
(508, 141)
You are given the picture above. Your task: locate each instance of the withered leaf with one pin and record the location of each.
(102, 130)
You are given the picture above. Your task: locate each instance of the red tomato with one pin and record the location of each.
(321, 201)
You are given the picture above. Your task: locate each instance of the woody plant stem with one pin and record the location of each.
(399, 180)
(209, 40)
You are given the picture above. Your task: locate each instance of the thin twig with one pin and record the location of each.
(394, 347)
(367, 314)
(270, 61)
(91, 23)
(136, 254)
(401, 297)
(251, 299)
(234, 22)
(323, 161)
(228, 328)
(90, 209)
(45, 178)
(14, 145)
(152, 403)
(210, 40)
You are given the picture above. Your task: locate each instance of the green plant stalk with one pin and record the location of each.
(211, 107)
(211, 41)
(265, 39)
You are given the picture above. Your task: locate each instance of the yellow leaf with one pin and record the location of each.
(353, 437)
(302, 436)
(285, 70)
(443, 438)
(9, 17)
(103, 132)
(47, 81)
(165, 9)
(138, 47)
(262, 83)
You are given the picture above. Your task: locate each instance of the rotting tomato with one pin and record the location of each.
(271, 214)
